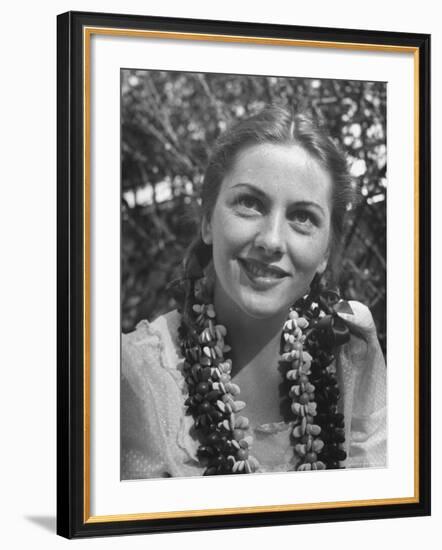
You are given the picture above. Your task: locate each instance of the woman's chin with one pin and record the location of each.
(262, 308)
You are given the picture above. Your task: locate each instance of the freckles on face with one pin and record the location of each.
(270, 228)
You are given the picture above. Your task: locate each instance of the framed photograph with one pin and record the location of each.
(243, 274)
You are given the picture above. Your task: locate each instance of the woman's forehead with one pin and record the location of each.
(280, 169)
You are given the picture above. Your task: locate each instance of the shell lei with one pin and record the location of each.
(306, 433)
(306, 357)
(211, 399)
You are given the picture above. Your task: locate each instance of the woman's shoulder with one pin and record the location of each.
(155, 431)
(363, 342)
(166, 326)
(359, 319)
(153, 334)
(152, 345)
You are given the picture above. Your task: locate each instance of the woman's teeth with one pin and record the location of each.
(262, 271)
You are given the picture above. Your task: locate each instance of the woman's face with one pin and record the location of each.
(270, 229)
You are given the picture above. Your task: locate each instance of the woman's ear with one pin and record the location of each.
(206, 230)
(323, 265)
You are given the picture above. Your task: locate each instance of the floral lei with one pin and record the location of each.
(310, 337)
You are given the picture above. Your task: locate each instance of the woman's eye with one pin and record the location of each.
(248, 202)
(303, 217)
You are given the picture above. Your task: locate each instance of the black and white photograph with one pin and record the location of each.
(253, 274)
(243, 274)
(219, 234)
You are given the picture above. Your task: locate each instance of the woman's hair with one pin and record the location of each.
(276, 125)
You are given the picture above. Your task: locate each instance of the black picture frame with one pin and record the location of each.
(73, 518)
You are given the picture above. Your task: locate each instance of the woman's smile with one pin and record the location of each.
(262, 275)
(269, 229)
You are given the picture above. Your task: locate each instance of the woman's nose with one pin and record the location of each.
(270, 237)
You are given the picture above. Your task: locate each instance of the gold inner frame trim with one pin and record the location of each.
(244, 510)
(246, 39)
(86, 281)
(416, 274)
(87, 33)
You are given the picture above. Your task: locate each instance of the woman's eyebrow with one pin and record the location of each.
(261, 193)
(305, 204)
(252, 188)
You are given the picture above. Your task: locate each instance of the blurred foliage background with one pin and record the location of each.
(170, 121)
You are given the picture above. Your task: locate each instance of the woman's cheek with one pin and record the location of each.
(308, 252)
(235, 232)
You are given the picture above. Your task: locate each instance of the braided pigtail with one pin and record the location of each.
(192, 280)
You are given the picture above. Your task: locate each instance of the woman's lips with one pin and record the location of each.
(261, 272)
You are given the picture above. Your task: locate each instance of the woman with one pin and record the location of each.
(260, 369)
